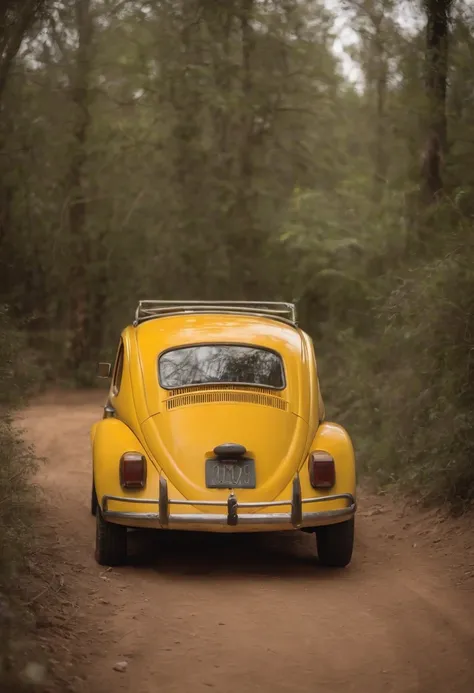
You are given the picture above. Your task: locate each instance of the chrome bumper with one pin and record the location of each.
(296, 518)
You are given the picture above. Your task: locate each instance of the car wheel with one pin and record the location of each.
(110, 542)
(335, 544)
(94, 502)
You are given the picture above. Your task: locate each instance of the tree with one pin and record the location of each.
(438, 15)
(80, 88)
(16, 19)
(378, 33)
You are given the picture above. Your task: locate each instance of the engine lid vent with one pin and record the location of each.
(231, 396)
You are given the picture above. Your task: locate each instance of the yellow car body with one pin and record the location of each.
(239, 378)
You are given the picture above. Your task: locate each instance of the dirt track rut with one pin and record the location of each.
(253, 613)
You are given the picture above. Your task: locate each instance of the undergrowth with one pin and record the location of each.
(405, 390)
(17, 497)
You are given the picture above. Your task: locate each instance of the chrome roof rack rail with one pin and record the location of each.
(284, 312)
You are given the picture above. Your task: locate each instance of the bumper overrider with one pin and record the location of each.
(166, 519)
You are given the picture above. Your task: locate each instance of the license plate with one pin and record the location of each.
(240, 474)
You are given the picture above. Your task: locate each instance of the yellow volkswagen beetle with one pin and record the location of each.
(215, 422)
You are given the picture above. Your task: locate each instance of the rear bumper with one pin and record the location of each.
(231, 520)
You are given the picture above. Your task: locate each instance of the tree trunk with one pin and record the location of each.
(438, 14)
(77, 205)
(245, 237)
(380, 154)
(16, 18)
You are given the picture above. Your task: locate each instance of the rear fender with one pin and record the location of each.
(111, 438)
(335, 440)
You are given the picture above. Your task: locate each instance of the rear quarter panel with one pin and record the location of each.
(335, 440)
(110, 439)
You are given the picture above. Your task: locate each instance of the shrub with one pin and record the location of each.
(17, 493)
(407, 390)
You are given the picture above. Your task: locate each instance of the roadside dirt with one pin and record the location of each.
(245, 613)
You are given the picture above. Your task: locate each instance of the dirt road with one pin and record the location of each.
(240, 614)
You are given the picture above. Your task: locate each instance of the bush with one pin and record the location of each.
(406, 392)
(17, 494)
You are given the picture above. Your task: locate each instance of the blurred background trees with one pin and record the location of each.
(218, 149)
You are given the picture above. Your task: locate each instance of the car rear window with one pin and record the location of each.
(220, 363)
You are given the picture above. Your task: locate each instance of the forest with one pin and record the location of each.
(300, 150)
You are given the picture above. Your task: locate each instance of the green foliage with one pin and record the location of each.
(428, 391)
(406, 391)
(17, 494)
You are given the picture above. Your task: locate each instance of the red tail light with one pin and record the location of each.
(322, 470)
(132, 470)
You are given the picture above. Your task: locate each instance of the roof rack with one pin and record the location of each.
(284, 312)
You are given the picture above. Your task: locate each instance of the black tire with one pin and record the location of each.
(110, 542)
(335, 544)
(94, 502)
